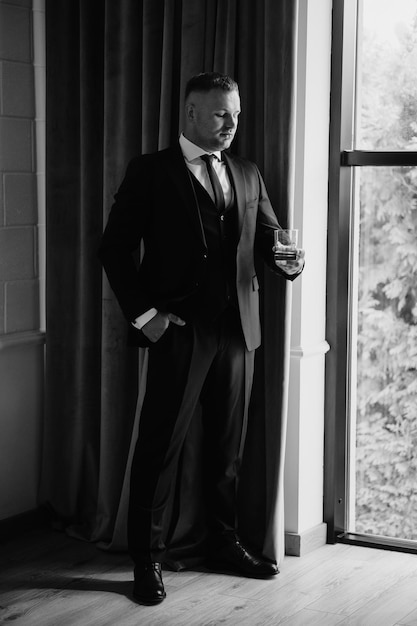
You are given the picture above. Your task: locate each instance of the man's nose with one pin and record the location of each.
(231, 122)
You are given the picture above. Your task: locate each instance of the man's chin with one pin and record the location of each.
(225, 142)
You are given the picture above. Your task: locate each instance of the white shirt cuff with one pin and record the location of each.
(144, 318)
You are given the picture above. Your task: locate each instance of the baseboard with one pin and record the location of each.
(307, 541)
(15, 526)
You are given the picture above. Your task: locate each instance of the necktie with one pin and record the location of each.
(215, 183)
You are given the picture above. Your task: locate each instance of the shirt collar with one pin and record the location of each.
(191, 151)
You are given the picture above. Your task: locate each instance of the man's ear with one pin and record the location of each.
(190, 111)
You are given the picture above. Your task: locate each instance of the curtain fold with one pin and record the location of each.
(115, 77)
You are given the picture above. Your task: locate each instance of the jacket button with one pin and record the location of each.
(222, 218)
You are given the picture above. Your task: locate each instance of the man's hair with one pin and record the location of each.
(207, 81)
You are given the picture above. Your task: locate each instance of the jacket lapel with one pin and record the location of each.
(238, 180)
(178, 171)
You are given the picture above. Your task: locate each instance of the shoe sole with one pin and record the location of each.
(147, 601)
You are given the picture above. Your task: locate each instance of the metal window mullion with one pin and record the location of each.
(339, 237)
(364, 158)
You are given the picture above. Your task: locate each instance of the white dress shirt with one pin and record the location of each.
(196, 165)
(192, 156)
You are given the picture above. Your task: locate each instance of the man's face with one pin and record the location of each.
(211, 118)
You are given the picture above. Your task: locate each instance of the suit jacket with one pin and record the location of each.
(156, 204)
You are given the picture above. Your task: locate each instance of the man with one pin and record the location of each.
(194, 302)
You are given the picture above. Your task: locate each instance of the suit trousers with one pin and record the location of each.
(190, 364)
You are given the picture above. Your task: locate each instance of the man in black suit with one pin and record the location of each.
(201, 214)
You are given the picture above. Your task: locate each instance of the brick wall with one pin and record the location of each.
(21, 228)
(19, 288)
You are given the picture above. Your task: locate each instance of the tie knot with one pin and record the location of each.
(208, 158)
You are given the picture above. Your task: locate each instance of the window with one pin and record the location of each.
(371, 404)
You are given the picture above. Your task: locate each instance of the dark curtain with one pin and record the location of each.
(115, 77)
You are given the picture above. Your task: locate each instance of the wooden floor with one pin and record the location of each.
(49, 579)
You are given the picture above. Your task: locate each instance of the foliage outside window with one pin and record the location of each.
(386, 325)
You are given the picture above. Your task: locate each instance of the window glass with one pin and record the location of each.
(385, 334)
(386, 102)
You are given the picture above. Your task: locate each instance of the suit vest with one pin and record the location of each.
(217, 287)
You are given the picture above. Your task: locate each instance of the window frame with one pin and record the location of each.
(343, 160)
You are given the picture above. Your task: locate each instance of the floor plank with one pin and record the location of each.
(49, 579)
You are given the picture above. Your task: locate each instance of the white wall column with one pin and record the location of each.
(304, 454)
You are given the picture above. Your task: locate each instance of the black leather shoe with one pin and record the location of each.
(148, 587)
(234, 557)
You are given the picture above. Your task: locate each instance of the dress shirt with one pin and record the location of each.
(192, 156)
(196, 165)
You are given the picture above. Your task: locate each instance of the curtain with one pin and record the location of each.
(116, 73)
